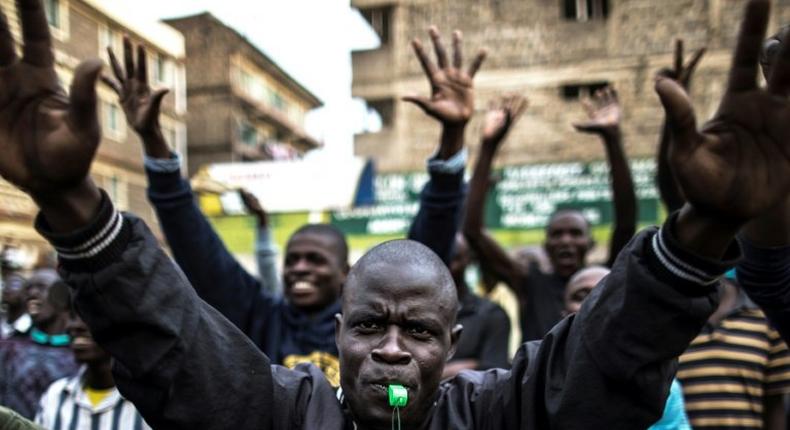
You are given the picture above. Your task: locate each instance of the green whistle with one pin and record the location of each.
(398, 395)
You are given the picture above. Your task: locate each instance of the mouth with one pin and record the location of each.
(34, 307)
(303, 288)
(383, 386)
(81, 343)
(566, 256)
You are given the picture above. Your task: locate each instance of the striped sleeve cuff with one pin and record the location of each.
(684, 267)
(453, 165)
(163, 165)
(92, 247)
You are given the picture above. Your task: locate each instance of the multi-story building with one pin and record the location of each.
(242, 105)
(83, 29)
(552, 51)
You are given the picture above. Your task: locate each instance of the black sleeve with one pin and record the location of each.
(496, 339)
(610, 366)
(176, 358)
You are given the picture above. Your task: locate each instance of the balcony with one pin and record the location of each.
(372, 68)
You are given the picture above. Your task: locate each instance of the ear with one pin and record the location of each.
(455, 334)
(338, 327)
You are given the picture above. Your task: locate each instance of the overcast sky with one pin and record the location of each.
(311, 39)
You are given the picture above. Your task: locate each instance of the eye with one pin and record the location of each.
(420, 332)
(368, 326)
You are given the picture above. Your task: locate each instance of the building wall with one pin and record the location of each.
(535, 51)
(230, 88)
(83, 33)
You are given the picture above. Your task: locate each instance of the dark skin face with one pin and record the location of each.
(396, 327)
(86, 350)
(580, 286)
(38, 300)
(313, 273)
(567, 243)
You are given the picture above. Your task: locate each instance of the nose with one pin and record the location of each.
(301, 265)
(389, 350)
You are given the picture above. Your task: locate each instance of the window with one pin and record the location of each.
(57, 12)
(248, 135)
(581, 91)
(586, 10)
(114, 124)
(118, 191)
(52, 8)
(278, 101)
(379, 19)
(385, 108)
(163, 70)
(112, 39)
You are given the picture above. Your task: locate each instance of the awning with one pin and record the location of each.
(314, 184)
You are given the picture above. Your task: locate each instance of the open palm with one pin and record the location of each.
(140, 104)
(452, 94)
(736, 167)
(47, 139)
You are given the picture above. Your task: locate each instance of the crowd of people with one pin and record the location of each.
(682, 326)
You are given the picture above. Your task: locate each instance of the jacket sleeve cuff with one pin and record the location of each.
(92, 247)
(683, 268)
(452, 165)
(163, 165)
(165, 182)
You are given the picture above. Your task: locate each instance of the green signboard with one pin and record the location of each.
(523, 199)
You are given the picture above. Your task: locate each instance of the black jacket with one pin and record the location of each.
(186, 367)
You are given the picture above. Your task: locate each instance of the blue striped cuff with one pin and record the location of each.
(452, 165)
(163, 165)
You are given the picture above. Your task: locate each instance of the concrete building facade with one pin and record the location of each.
(552, 51)
(82, 29)
(243, 106)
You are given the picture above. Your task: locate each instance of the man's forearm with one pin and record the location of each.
(623, 194)
(452, 141)
(154, 143)
(478, 188)
(169, 346)
(70, 210)
(772, 229)
(667, 186)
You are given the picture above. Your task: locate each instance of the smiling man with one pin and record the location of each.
(186, 366)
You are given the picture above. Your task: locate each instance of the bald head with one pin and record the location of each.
(397, 326)
(581, 285)
(401, 264)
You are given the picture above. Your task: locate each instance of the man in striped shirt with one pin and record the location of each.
(90, 399)
(735, 373)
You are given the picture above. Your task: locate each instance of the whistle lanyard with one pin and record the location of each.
(396, 418)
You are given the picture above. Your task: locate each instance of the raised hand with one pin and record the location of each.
(500, 118)
(254, 207)
(603, 112)
(140, 104)
(681, 72)
(47, 139)
(736, 167)
(452, 97)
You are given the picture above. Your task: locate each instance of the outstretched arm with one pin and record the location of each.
(170, 348)
(265, 249)
(604, 113)
(216, 275)
(662, 289)
(452, 104)
(667, 187)
(493, 257)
